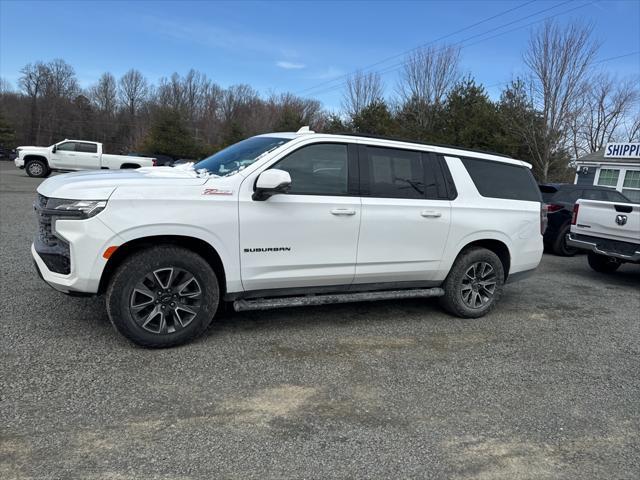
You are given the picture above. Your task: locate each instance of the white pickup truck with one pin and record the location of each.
(609, 231)
(72, 155)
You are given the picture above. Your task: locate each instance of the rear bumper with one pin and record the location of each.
(625, 251)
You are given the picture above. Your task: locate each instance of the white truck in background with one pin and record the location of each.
(73, 155)
(609, 231)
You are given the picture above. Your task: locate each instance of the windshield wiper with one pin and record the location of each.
(415, 185)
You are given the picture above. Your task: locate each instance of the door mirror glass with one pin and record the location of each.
(271, 182)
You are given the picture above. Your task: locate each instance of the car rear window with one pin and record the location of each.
(548, 192)
(502, 180)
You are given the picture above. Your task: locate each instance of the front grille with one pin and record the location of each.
(53, 251)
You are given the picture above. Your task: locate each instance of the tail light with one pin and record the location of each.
(543, 217)
(553, 207)
(154, 162)
(574, 217)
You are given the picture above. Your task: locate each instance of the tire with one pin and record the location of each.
(162, 297)
(560, 246)
(37, 168)
(602, 263)
(461, 296)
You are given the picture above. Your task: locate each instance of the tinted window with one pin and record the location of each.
(66, 147)
(593, 195)
(614, 196)
(87, 147)
(567, 196)
(319, 169)
(394, 173)
(548, 192)
(502, 180)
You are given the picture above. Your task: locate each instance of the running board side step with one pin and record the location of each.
(308, 300)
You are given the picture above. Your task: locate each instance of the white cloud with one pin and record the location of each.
(290, 65)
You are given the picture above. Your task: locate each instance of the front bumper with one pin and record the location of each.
(19, 162)
(87, 239)
(626, 251)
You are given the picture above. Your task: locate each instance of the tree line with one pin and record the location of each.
(563, 106)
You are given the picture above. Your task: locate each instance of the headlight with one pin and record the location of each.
(78, 208)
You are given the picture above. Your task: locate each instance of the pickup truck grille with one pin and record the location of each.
(54, 251)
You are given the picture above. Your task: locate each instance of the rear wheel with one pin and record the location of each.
(37, 168)
(602, 263)
(474, 284)
(560, 246)
(163, 297)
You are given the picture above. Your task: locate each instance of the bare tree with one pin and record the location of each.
(104, 94)
(608, 104)
(362, 89)
(132, 91)
(633, 129)
(428, 74)
(559, 59)
(32, 82)
(5, 86)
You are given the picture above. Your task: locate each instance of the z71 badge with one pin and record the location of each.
(217, 191)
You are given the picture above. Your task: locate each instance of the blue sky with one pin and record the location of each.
(302, 47)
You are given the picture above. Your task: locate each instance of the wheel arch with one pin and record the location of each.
(32, 157)
(197, 245)
(496, 246)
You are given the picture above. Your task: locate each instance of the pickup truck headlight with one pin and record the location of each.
(78, 208)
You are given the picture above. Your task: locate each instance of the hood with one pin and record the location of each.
(32, 149)
(100, 184)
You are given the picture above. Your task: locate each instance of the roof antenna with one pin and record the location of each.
(304, 130)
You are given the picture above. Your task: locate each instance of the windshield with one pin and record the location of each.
(239, 156)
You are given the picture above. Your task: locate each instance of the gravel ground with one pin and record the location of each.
(547, 386)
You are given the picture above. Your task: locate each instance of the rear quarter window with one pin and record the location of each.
(502, 180)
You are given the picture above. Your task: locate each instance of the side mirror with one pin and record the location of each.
(271, 182)
(53, 150)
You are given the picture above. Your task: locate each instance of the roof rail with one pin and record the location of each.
(418, 142)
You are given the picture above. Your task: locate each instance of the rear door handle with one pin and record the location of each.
(430, 214)
(343, 211)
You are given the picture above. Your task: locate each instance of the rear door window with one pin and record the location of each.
(496, 179)
(395, 173)
(398, 173)
(86, 147)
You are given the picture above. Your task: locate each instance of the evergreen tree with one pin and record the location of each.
(168, 135)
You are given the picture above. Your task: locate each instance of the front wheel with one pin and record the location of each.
(37, 168)
(474, 284)
(163, 297)
(602, 263)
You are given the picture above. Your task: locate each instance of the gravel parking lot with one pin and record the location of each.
(547, 386)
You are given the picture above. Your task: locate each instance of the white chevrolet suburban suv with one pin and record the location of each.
(288, 219)
(73, 155)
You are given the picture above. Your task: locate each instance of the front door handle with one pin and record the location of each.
(430, 214)
(343, 211)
